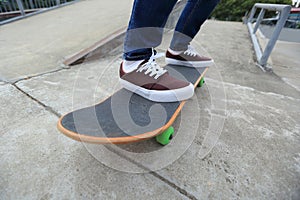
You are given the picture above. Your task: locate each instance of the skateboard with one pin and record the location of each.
(126, 117)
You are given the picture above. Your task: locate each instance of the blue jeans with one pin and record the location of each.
(148, 19)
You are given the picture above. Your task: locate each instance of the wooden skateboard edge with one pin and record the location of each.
(127, 139)
(118, 140)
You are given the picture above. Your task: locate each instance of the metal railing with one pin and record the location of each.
(284, 10)
(11, 10)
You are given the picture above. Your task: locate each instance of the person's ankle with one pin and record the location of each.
(129, 66)
(174, 52)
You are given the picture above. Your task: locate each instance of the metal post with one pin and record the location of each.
(259, 19)
(21, 7)
(253, 11)
(57, 2)
(280, 24)
(31, 4)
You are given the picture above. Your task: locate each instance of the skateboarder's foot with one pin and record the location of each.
(189, 58)
(152, 82)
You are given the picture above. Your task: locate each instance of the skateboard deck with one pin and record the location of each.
(126, 117)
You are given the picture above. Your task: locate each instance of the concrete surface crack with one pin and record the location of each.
(252, 89)
(38, 75)
(153, 173)
(48, 108)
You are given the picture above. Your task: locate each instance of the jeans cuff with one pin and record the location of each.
(140, 54)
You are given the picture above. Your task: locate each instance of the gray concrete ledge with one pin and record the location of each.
(40, 43)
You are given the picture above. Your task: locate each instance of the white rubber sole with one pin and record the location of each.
(160, 95)
(198, 64)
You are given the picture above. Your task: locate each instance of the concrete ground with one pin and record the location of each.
(40, 43)
(249, 118)
(284, 59)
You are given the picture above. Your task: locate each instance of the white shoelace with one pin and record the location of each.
(191, 51)
(152, 68)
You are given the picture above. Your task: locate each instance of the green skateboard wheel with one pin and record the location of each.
(165, 137)
(201, 83)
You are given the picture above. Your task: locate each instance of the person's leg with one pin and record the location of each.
(139, 72)
(192, 17)
(145, 28)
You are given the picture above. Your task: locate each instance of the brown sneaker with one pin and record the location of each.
(188, 58)
(152, 82)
